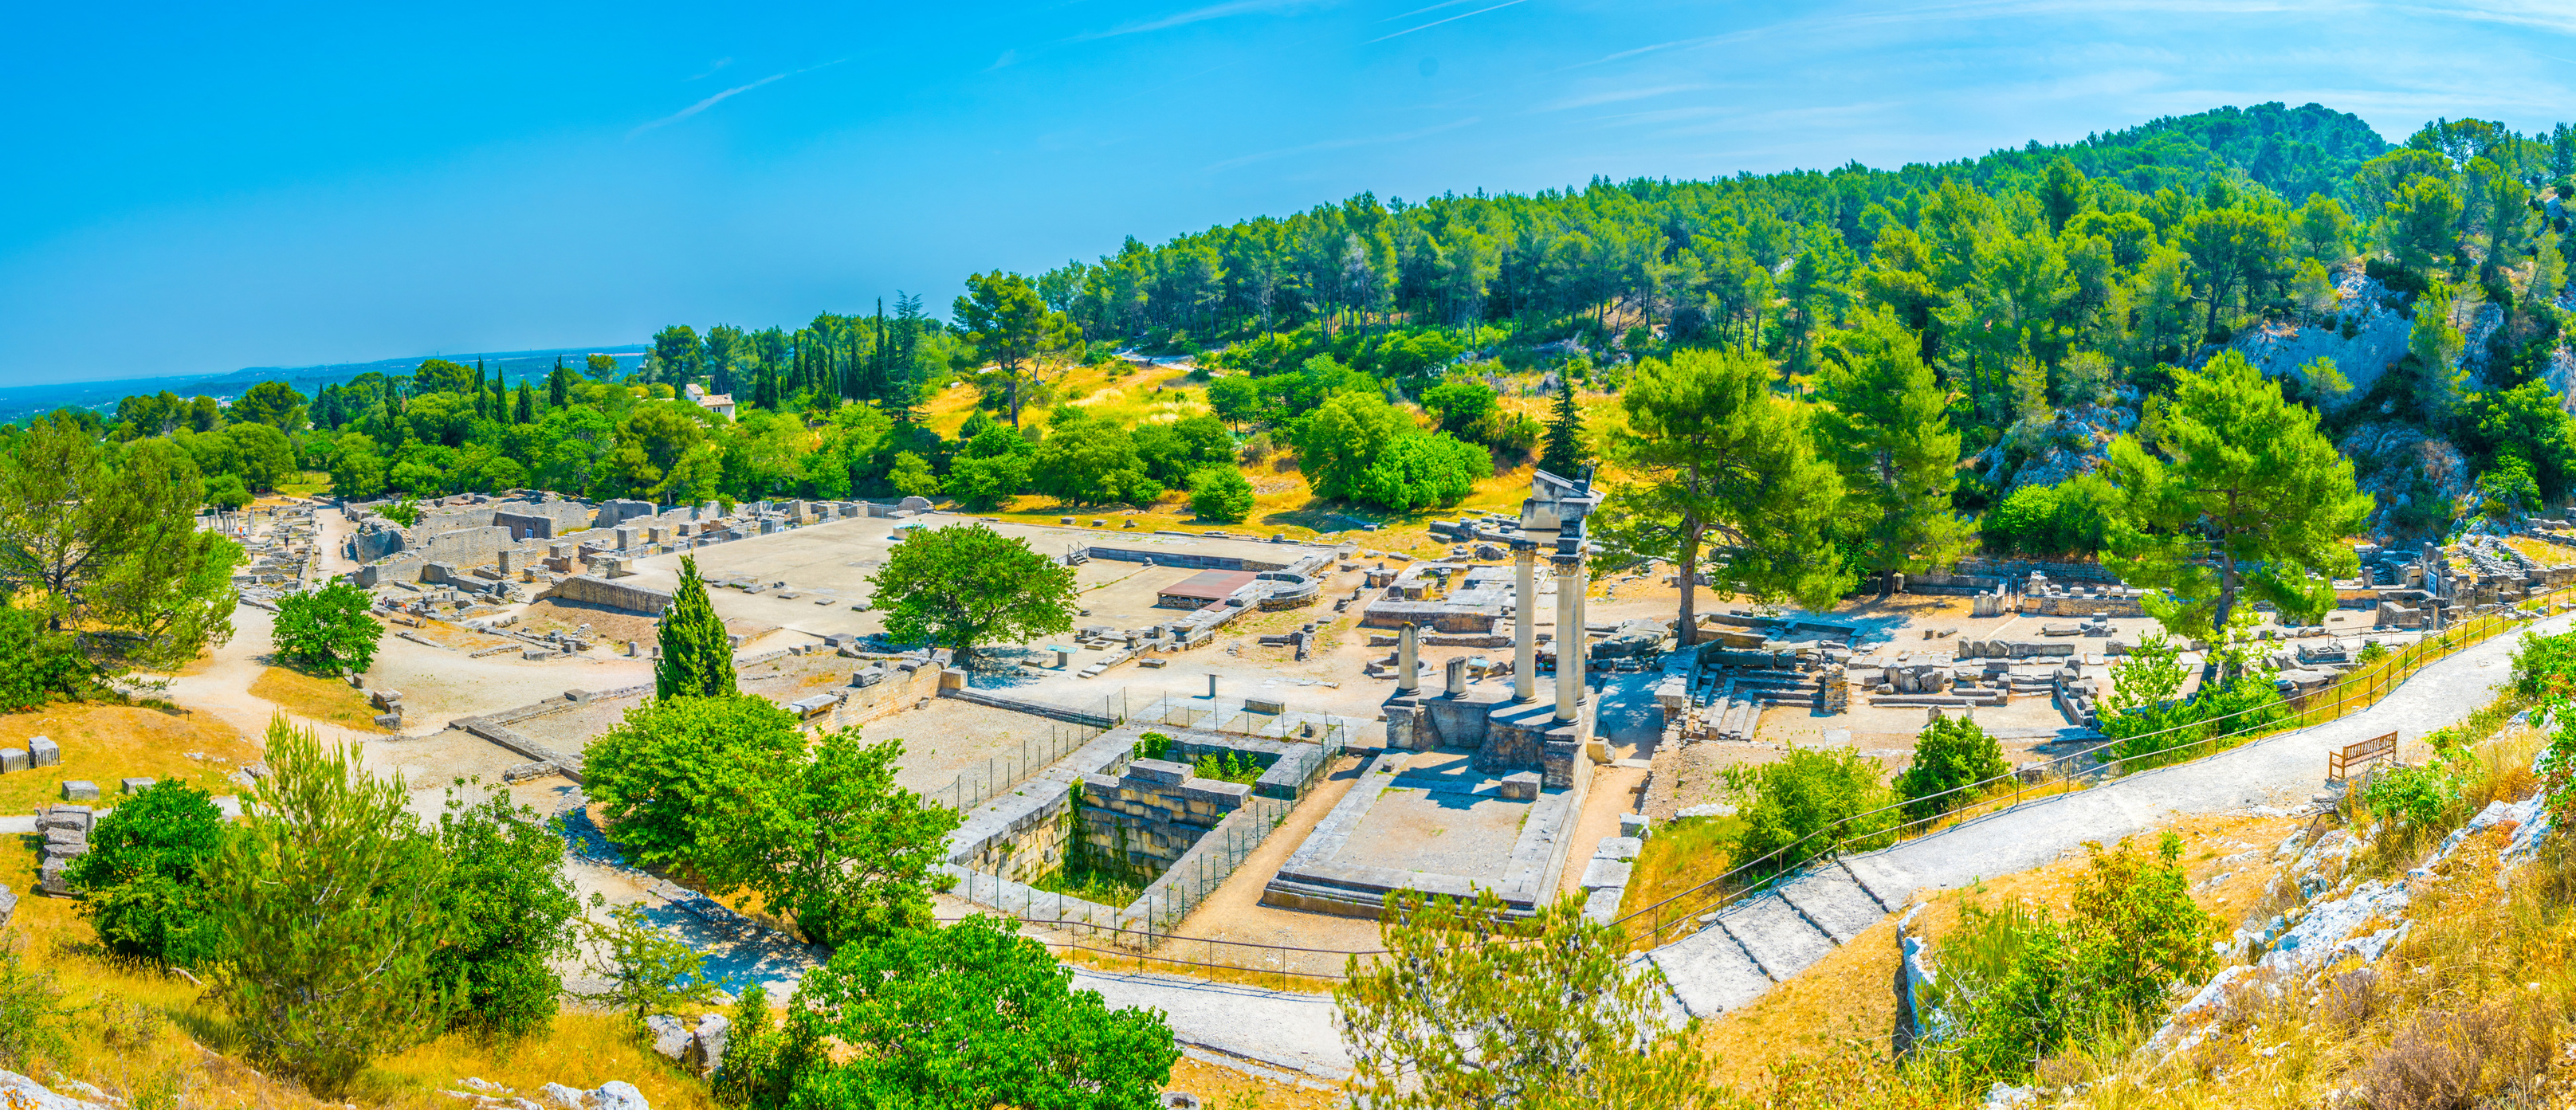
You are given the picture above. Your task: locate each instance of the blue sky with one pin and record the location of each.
(197, 190)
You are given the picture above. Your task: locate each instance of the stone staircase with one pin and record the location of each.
(1736, 702)
(1741, 951)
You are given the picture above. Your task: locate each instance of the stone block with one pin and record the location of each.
(135, 785)
(1158, 771)
(42, 752)
(80, 790)
(1634, 824)
(389, 721)
(1521, 786)
(1605, 873)
(707, 1044)
(670, 1036)
(13, 759)
(1264, 705)
(1619, 847)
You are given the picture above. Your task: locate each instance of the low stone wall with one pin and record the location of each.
(1153, 812)
(593, 590)
(2083, 606)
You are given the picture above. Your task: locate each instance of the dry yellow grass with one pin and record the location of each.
(104, 743)
(312, 696)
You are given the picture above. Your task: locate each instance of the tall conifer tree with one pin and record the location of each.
(697, 659)
(1564, 455)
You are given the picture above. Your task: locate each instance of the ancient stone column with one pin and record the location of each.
(1408, 651)
(1457, 687)
(1569, 633)
(1525, 622)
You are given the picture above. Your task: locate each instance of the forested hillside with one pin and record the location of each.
(1934, 357)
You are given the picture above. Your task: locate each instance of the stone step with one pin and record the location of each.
(1709, 973)
(1833, 901)
(1781, 940)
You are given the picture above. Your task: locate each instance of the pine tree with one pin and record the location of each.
(1565, 456)
(697, 658)
(1885, 429)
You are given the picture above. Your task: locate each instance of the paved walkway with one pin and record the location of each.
(1766, 939)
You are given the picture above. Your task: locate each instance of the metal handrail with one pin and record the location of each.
(2381, 681)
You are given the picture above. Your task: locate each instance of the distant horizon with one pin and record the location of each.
(606, 174)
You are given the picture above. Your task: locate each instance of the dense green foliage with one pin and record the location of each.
(1807, 803)
(1472, 1008)
(2018, 984)
(509, 910)
(1221, 494)
(148, 876)
(328, 900)
(697, 653)
(964, 585)
(327, 630)
(1949, 753)
(730, 789)
(958, 1018)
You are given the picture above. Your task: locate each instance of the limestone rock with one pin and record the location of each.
(670, 1035)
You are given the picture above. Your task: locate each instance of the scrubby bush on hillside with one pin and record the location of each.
(1948, 754)
(2044, 521)
(147, 876)
(1828, 796)
(2018, 984)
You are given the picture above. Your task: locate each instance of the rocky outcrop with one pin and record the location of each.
(2378, 321)
(2404, 468)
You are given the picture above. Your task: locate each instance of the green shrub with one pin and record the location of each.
(327, 630)
(2545, 667)
(1948, 754)
(511, 907)
(1811, 793)
(2063, 519)
(1229, 767)
(2416, 795)
(2018, 984)
(1221, 493)
(1151, 745)
(967, 1015)
(147, 876)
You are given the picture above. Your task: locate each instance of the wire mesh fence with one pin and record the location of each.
(1005, 770)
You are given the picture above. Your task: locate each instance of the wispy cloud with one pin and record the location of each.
(1344, 144)
(1437, 22)
(1432, 8)
(1008, 57)
(726, 95)
(1617, 96)
(712, 67)
(1201, 15)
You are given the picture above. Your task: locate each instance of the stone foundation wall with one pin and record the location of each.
(618, 595)
(1153, 813)
(2083, 606)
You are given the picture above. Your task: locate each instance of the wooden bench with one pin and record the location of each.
(2339, 765)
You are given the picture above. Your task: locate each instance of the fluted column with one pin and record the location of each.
(1569, 633)
(1525, 617)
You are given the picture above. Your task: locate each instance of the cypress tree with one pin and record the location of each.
(697, 659)
(527, 404)
(1565, 456)
(558, 385)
